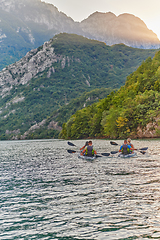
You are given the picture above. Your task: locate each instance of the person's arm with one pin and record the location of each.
(131, 147)
(82, 148)
(82, 153)
(94, 150)
(120, 150)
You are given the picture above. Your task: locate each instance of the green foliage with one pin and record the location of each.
(86, 99)
(122, 112)
(90, 66)
(96, 62)
(36, 108)
(43, 133)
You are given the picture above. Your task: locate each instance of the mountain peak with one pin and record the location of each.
(101, 14)
(27, 24)
(125, 28)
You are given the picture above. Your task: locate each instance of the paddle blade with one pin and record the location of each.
(71, 144)
(71, 151)
(114, 152)
(143, 149)
(105, 154)
(113, 143)
(143, 152)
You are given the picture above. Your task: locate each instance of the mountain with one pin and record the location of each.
(27, 24)
(57, 72)
(51, 126)
(132, 111)
(126, 28)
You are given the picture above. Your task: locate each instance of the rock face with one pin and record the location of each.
(35, 21)
(152, 130)
(21, 72)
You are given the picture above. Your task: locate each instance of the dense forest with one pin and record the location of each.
(122, 113)
(60, 115)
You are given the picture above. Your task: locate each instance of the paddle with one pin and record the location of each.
(143, 152)
(71, 151)
(140, 149)
(103, 154)
(113, 143)
(71, 144)
(114, 152)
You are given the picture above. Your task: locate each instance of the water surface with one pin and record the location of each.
(47, 193)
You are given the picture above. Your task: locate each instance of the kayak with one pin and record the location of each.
(86, 157)
(127, 155)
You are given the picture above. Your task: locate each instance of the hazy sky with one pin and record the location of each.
(147, 10)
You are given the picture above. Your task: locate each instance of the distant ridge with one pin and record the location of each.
(126, 28)
(27, 24)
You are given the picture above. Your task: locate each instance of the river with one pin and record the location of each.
(47, 193)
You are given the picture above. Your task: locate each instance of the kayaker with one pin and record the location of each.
(89, 150)
(129, 143)
(86, 144)
(125, 148)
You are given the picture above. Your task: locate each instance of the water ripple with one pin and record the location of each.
(46, 193)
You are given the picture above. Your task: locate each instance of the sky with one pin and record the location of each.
(146, 10)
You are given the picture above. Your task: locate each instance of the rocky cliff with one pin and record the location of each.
(21, 72)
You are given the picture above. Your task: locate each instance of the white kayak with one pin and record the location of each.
(87, 157)
(127, 155)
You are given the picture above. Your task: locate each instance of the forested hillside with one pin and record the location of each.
(57, 72)
(50, 127)
(133, 110)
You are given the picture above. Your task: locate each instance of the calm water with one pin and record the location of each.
(47, 193)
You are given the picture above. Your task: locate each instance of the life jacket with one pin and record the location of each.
(89, 151)
(125, 149)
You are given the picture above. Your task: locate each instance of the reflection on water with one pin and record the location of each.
(47, 193)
